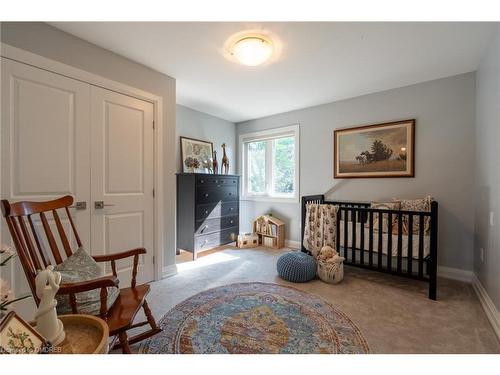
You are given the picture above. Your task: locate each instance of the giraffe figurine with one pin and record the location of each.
(215, 163)
(225, 161)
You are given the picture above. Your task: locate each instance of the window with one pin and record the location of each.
(270, 164)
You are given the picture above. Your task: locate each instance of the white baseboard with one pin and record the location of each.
(169, 271)
(487, 305)
(292, 244)
(455, 274)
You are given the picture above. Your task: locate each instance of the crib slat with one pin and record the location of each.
(420, 245)
(389, 241)
(346, 239)
(362, 238)
(370, 239)
(400, 241)
(353, 247)
(410, 244)
(380, 216)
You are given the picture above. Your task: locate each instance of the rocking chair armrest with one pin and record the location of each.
(122, 255)
(84, 286)
(126, 254)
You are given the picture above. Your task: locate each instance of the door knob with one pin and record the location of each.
(79, 206)
(98, 205)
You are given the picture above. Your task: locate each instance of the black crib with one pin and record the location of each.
(419, 268)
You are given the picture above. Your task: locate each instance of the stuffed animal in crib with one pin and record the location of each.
(326, 252)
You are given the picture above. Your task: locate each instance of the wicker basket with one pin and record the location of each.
(332, 273)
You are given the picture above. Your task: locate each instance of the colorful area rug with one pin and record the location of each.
(255, 318)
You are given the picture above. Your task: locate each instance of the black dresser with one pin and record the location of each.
(207, 210)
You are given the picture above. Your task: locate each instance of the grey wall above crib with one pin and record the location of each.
(444, 111)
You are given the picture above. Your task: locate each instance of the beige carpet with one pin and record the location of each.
(393, 313)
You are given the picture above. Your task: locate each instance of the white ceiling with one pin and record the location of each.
(319, 62)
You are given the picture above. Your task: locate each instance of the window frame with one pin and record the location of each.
(269, 135)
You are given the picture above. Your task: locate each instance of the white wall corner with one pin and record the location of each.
(487, 304)
(168, 271)
(292, 244)
(455, 274)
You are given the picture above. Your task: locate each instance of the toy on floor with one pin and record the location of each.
(326, 252)
(247, 240)
(330, 265)
(270, 230)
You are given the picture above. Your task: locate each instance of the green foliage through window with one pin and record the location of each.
(257, 167)
(274, 176)
(283, 165)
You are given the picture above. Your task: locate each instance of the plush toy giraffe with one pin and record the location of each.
(225, 161)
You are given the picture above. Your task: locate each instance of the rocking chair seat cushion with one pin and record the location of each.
(80, 266)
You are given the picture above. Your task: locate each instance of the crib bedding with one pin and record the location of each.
(394, 245)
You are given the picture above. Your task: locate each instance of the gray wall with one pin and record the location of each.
(444, 110)
(199, 125)
(487, 193)
(52, 43)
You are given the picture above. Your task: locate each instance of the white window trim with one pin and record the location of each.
(260, 135)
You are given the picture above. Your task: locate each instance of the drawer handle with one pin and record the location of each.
(232, 208)
(206, 211)
(206, 195)
(201, 181)
(230, 193)
(222, 181)
(231, 221)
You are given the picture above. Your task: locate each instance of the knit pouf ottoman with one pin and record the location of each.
(297, 267)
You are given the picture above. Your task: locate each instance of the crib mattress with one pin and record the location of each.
(394, 248)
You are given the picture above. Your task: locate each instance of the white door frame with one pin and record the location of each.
(37, 61)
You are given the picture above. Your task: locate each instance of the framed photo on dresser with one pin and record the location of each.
(196, 155)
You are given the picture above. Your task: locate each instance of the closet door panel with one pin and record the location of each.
(122, 179)
(45, 153)
(45, 138)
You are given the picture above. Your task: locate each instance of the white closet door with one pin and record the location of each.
(122, 179)
(45, 138)
(45, 144)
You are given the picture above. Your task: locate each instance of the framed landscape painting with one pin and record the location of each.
(381, 150)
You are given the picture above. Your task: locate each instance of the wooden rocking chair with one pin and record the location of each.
(30, 249)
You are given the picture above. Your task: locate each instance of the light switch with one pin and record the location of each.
(492, 219)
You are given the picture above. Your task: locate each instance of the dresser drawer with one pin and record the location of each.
(215, 225)
(216, 181)
(216, 194)
(215, 239)
(213, 210)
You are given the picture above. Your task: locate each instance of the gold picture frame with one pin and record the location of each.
(371, 151)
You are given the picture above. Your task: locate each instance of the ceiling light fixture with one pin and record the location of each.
(252, 50)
